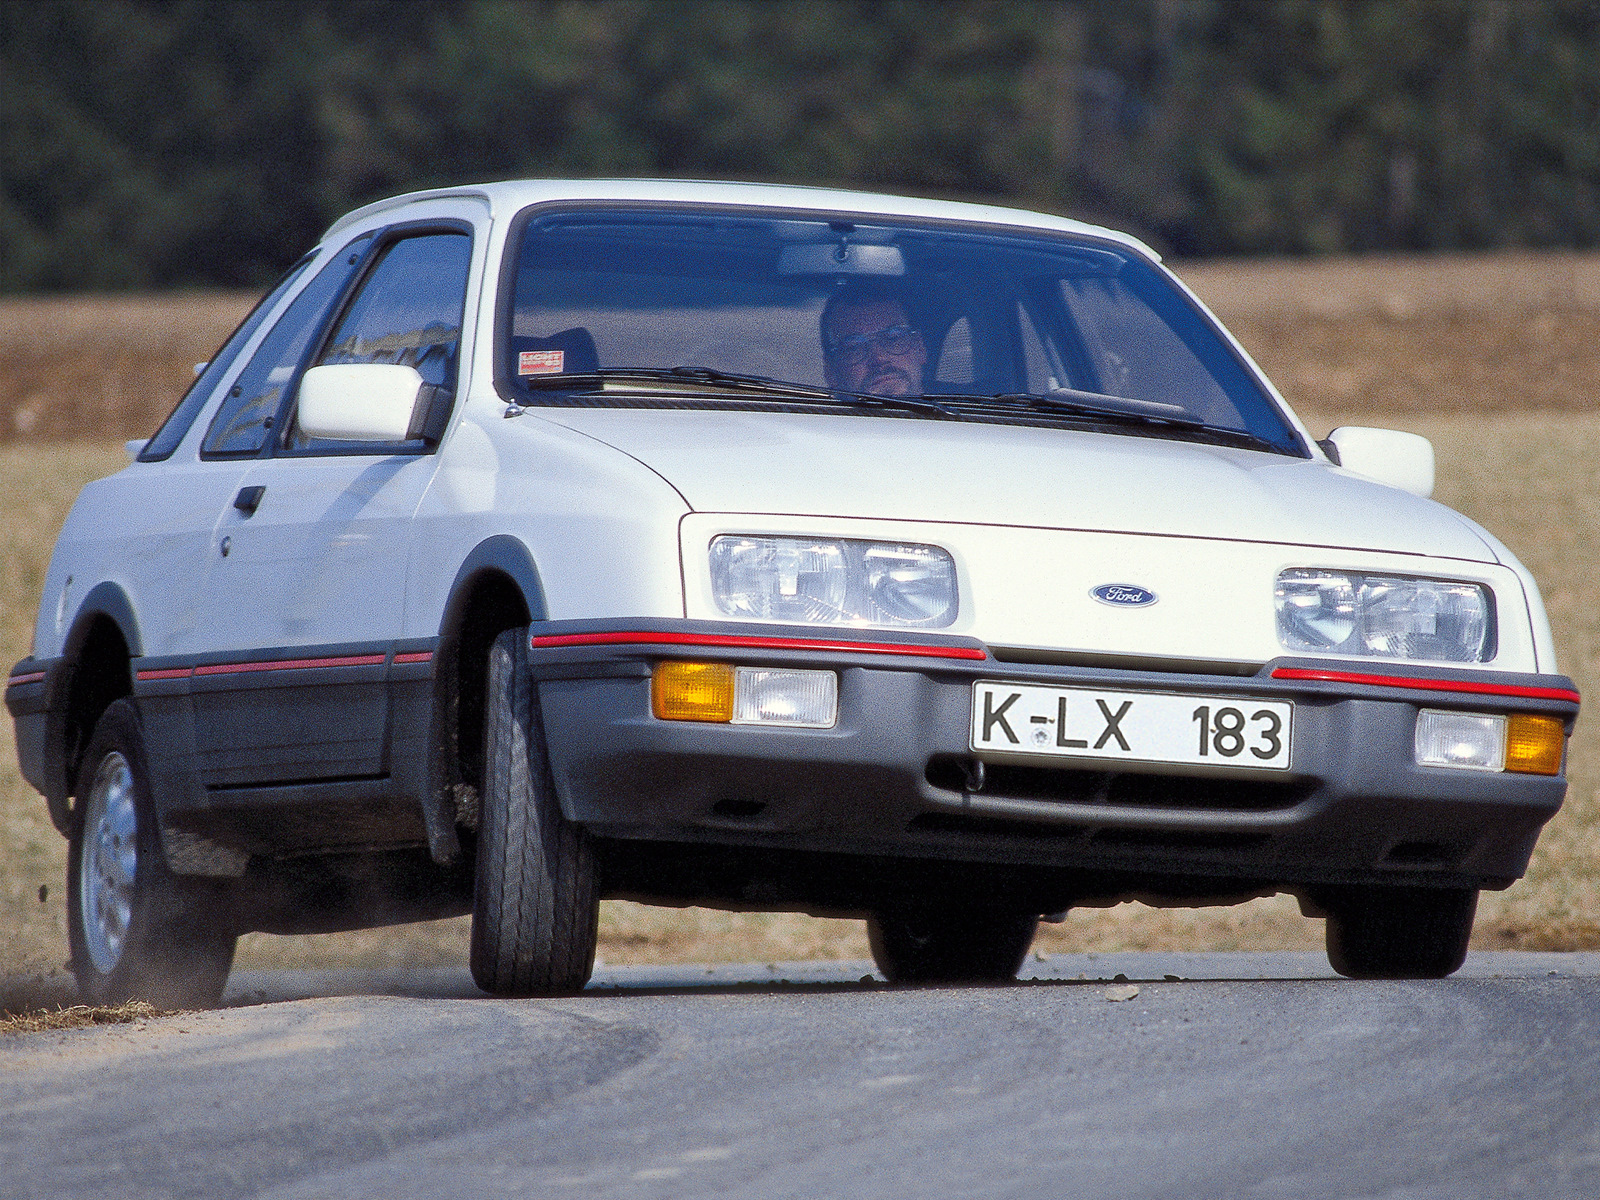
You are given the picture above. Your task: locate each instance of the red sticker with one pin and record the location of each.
(541, 362)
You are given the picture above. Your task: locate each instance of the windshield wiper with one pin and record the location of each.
(1068, 401)
(746, 383)
(1120, 410)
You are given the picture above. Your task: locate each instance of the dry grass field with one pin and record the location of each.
(1496, 359)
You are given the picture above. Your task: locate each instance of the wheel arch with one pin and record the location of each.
(497, 587)
(98, 656)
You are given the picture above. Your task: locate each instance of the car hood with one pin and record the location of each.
(925, 470)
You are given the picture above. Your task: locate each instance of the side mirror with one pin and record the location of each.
(359, 402)
(1402, 460)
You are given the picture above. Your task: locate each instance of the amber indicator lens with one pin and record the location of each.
(690, 691)
(1534, 744)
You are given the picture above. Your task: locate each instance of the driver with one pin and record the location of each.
(869, 344)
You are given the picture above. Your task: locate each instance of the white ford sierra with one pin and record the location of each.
(774, 548)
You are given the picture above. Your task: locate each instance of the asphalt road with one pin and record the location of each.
(1225, 1075)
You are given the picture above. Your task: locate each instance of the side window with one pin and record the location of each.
(241, 424)
(1042, 377)
(1133, 351)
(172, 430)
(407, 312)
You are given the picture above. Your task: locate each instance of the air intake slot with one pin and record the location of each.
(1155, 839)
(1127, 790)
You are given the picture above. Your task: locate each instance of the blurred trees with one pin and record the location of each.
(165, 142)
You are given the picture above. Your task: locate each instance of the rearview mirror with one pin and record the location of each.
(359, 402)
(840, 258)
(1402, 460)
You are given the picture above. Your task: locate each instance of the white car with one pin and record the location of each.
(766, 547)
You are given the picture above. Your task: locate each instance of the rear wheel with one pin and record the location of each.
(1400, 933)
(137, 931)
(932, 946)
(536, 907)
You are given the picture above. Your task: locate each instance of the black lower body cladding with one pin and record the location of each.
(896, 778)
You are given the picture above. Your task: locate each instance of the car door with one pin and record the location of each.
(306, 591)
(149, 528)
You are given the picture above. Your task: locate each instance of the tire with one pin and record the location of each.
(1400, 933)
(137, 931)
(949, 947)
(536, 906)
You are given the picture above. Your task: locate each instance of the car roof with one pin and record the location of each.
(513, 195)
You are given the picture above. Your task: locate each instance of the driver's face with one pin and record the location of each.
(878, 371)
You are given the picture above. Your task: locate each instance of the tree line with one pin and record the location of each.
(163, 143)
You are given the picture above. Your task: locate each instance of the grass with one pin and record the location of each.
(41, 1019)
(1497, 361)
(37, 485)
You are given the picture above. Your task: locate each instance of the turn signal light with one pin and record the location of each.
(690, 691)
(1534, 744)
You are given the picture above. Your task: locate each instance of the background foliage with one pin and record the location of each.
(207, 142)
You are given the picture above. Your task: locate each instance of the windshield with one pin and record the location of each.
(983, 318)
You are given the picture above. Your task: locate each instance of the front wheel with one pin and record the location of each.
(536, 906)
(1400, 933)
(926, 946)
(137, 931)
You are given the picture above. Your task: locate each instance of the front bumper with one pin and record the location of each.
(895, 777)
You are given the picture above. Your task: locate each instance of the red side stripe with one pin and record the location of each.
(418, 656)
(292, 664)
(168, 673)
(1431, 685)
(31, 677)
(738, 641)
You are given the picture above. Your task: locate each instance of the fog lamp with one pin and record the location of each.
(808, 699)
(1471, 740)
(1534, 744)
(691, 691)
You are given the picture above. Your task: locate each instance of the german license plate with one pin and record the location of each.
(1150, 727)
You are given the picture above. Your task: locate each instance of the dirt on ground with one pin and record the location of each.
(1496, 358)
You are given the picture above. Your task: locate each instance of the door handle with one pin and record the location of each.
(249, 499)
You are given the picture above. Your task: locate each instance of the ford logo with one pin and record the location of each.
(1124, 595)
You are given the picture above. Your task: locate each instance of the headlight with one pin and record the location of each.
(833, 580)
(1385, 616)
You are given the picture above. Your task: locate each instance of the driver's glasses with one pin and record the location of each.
(895, 340)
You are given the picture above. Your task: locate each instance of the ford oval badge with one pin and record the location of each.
(1124, 595)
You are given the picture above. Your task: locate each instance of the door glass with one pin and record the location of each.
(240, 427)
(408, 312)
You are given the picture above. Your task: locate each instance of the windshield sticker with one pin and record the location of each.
(541, 362)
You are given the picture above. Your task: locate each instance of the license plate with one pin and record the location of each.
(1151, 727)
